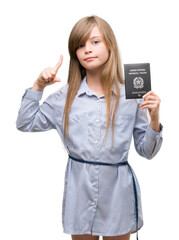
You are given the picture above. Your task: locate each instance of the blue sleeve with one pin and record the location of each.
(147, 141)
(33, 117)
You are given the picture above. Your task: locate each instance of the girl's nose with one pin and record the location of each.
(88, 48)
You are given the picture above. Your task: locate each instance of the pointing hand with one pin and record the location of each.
(48, 76)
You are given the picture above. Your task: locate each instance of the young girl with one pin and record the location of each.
(96, 123)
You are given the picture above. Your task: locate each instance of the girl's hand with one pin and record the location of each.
(152, 102)
(47, 77)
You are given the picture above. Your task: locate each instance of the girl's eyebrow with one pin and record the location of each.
(95, 37)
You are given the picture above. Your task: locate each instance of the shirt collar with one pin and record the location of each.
(84, 88)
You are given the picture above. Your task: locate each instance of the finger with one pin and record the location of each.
(59, 63)
(48, 73)
(153, 106)
(150, 97)
(52, 71)
(148, 93)
(148, 102)
(56, 80)
(45, 77)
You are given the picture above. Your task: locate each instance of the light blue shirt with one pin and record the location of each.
(95, 197)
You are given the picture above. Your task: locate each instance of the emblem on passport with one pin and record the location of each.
(137, 79)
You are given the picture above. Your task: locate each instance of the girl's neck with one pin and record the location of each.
(93, 81)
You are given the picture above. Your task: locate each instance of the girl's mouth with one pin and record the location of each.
(89, 59)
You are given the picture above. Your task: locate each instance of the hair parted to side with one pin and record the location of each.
(112, 70)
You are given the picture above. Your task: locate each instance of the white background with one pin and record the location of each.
(32, 165)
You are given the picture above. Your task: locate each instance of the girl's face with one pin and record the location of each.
(94, 53)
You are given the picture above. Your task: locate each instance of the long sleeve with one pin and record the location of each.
(33, 117)
(147, 141)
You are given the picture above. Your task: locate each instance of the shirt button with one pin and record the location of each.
(157, 137)
(93, 203)
(97, 120)
(94, 184)
(97, 101)
(96, 142)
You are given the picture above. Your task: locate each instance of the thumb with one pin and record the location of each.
(56, 79)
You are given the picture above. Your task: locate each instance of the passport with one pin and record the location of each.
(137, 79)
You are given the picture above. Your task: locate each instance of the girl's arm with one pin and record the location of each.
(147, 134)
(31, 116)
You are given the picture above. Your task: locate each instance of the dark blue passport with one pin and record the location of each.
(137, 79)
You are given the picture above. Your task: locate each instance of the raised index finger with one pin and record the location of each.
(59, 63)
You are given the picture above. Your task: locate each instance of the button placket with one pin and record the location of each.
(96, 133)
(97, 121)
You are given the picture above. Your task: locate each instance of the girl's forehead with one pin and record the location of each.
(95, 32)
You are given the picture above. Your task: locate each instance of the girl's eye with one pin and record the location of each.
(96, 42)
(80, 46)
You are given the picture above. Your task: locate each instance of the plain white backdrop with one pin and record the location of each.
(32, 165)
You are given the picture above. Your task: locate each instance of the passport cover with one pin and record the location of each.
(137, 79)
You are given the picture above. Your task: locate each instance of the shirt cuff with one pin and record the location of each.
(33, 95)
(153, 134)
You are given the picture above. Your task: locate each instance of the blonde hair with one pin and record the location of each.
(112, 70)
